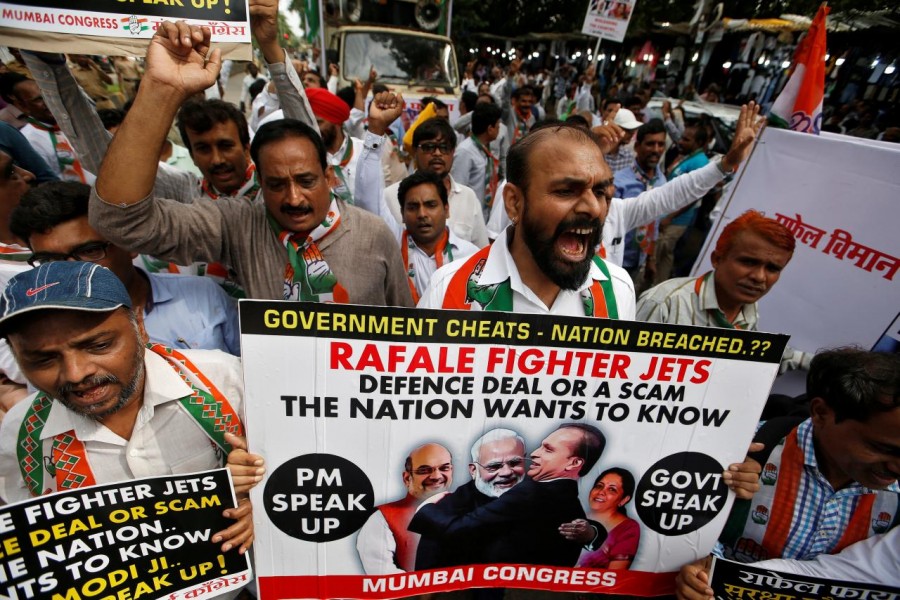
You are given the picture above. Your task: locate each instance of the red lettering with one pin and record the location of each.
(466, 359)
(495, 358)
(421, 359)
(340, 352)
(701, 368)
(370, 358)
(395, 355)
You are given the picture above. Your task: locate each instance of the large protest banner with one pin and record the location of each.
(608, 19)
(735, 581)
(839, 196)
(339, 396)
(118, 27)
(145, 538)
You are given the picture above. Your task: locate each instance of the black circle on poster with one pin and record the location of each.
(681, 493)
(318, 497)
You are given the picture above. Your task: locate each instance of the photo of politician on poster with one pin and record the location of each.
(412, 452)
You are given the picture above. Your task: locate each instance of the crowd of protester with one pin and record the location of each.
(140, 215)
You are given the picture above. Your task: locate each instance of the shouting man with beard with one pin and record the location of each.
(557, 196)
(117, 411)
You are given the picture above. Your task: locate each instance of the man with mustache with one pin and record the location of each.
(750, 254)
(557, 196)
(642, 174)
(106, 409)
(498, 464)
(522, 525)
(300, 243)
(385, 545)
(434, 144)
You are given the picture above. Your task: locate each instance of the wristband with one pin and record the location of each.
(722, 169)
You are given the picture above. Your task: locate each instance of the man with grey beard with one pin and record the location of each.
(106, 410)
(498, 464)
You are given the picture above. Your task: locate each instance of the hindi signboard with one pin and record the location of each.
(118, 27)
(145, 538)
(608, 19)
(736, 581)
(365, 413)
(838, 196)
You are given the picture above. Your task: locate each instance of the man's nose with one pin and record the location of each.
(76, 367)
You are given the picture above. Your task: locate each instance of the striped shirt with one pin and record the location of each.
(677, 301)
(821, 514)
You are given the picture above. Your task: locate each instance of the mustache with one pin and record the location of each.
(577, 223)
(303, 209)
(221, 169)
(92, 381)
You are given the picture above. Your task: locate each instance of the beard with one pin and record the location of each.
(567, 275)
(489, 489)
(125, 394)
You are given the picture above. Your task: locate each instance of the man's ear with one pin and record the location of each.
(576, 463)
(820, 412)
(715, 258)
(513, 201)
(331, 178)
(406, 478)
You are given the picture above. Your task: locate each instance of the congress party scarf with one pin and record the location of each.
(342, 191)
(442, 252)
(247, 191)
(464, 291)
(69, 165)
(307, 276)
(491, 172)
(68, 463)
(14, 253)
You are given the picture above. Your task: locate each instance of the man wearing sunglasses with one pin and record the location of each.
(434, 143)
(384, 544)
(179, 311)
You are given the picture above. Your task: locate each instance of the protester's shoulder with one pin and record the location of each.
(440, 281)
(212, 358)
(12, 420)
(189, 285)
(463, 192)
(669, 288)
(618, 273)
(368, 226)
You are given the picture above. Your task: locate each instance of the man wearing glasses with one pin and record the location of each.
(179, 311)
(498, 464)
(384, 544)
(434, 143)
(522, 525)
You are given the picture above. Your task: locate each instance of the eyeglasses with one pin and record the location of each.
(88, 252)
(426, 470)
(512, 463)
(431, 147)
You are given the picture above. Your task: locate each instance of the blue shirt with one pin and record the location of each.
(631, 182)
(691, 163)
(14, 143)
(188, 312)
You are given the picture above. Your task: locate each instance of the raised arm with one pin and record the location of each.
(384, 109)
(77, 117)
(180, 63)
(264, 25)
(686, 189)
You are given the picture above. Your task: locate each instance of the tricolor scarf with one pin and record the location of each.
(247, 191)
(342, 190)
(307, 276)
(645, 235)
(69, 165)
(717, 314)
(521, 127)
(442, 252)
(68, 463)
(762, 527)
(14, 253)
(465, 293)
(491, 172)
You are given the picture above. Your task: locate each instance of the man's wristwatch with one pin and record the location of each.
(723, 170)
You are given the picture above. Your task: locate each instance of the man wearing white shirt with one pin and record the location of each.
(557, 198)
(434, 142)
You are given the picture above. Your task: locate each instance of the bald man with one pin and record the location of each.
(384, 544)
